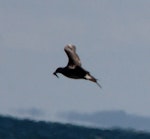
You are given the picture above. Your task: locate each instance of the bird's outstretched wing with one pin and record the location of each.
(74, 59)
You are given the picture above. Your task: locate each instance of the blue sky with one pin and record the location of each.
(112, 39)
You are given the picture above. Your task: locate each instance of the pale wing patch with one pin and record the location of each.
(88, 77)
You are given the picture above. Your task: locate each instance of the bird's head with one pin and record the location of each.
(58, 70)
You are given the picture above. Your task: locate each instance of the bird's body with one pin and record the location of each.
(74, 69)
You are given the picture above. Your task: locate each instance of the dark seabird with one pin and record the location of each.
(74, 69)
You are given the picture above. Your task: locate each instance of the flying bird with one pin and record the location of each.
(74, 68)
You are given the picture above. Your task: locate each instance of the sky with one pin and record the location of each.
(112, 40)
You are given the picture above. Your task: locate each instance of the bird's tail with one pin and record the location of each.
(91, 78)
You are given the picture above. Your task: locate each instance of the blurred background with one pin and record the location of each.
(112, 40)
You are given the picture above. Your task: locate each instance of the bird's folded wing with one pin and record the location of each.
(74, 59)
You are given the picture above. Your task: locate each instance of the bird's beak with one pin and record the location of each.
(56, 74)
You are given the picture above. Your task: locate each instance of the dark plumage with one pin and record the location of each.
(74, 68)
